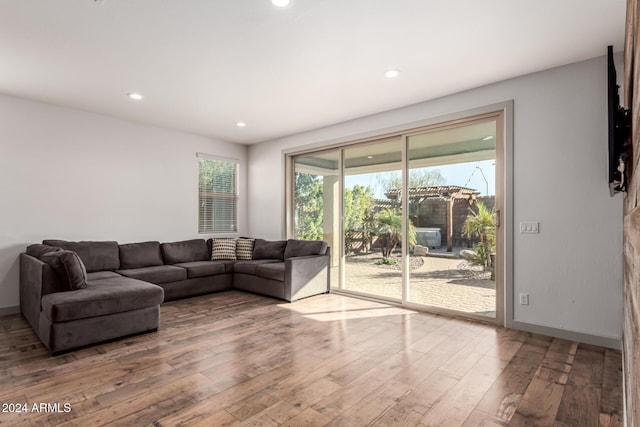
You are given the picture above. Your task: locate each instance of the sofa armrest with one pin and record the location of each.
(306, 276)
(32, 272)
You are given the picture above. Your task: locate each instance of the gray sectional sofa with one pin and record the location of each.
(79, 293)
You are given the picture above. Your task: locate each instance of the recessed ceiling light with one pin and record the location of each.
(280, 3)
(369, 157)
(135, 96)
(241, 124)
(487, 138)
(392, 74)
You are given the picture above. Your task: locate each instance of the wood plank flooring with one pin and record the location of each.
(239, 359)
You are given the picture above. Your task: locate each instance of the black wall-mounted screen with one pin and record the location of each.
(613, 101)
(619, 127)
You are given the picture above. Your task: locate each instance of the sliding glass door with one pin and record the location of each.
(411, 218)
(316, 202)
(452, 204)
(372, 221)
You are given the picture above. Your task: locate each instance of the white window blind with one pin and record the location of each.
(217, 195)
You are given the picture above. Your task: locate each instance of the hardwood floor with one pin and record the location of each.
(240, 359)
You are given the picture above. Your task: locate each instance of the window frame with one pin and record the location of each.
(234, 196)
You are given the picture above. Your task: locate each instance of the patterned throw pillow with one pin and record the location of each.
(244, 249)
(223, 249)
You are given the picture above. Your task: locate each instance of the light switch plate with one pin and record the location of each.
(529, 227)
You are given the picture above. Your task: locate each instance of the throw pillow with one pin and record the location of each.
(223, 249)
(244, 249)
(69, 268)
(37, 250)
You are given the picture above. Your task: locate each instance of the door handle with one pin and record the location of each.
(497, 220)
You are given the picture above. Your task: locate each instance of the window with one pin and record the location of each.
(217, 195)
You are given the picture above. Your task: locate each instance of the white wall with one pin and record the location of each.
(75, 175)
(572, 270)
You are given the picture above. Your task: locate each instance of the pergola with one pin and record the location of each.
(450, 193)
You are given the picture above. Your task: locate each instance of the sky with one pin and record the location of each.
(462, 174)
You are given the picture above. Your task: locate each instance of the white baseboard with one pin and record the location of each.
(614, 343)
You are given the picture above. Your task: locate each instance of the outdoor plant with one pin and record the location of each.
(389, 231)
(359, 205)
(387, 261)
(309, 206)
(481, 224)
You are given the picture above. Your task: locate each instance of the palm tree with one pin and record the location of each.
(389, 230)
(482, 225)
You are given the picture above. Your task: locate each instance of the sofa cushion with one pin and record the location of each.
(263, 249)
(185, 251)
(244, 249)
(37, 250)
(138, 255)
(156, 274)
(203, 268)
(101, 297)
(249, 267)
(96, 256)
(297, 248)
(222, 249)
(273, 271)
(69, 269)
(101, 275)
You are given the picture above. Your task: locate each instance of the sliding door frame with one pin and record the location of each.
(503, 114)
(498, 118)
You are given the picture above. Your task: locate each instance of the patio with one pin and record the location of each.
(435, 280)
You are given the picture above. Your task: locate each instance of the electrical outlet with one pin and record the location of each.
(524, 299)
(529, 227)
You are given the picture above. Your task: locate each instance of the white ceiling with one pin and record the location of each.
(204, 65)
